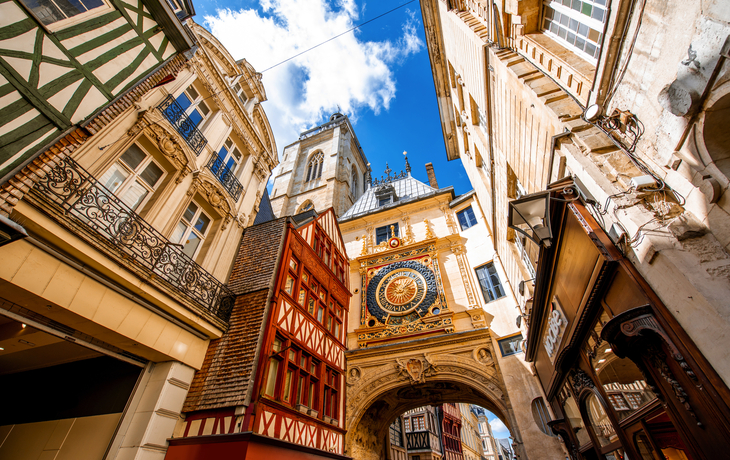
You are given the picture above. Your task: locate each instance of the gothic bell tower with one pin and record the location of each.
(325, 167)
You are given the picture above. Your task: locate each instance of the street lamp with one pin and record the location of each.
(530, 215)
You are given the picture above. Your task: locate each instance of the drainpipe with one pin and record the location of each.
(487, 86)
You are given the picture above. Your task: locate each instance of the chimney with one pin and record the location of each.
(431, 176)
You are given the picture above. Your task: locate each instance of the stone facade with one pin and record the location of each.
(325, 167)
(513, 94)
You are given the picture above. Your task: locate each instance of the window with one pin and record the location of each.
(418, 422)
(134, 177)
(240, 93)
(489, 282)
(510, 345)
(353, 184)
(466, 218)
(577, 23)
(541, 416)
(306, 206)
(192, 229)
(385, 233)
(396, 433)
(385, 200)
(314, 169)
(229, 155)
(50, 11)
(331, 394)
(192, 103)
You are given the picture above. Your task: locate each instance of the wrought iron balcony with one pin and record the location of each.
(225, 176)
(183, 124)
(94, 211)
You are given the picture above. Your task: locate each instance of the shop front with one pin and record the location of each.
(623, 378)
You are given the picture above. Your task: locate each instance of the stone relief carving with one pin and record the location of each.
(213, 194)
(483, 356)
(353, 375)
(415, 368)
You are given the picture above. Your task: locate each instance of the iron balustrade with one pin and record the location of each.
(225, 176)
(91, 206)
(183, 124)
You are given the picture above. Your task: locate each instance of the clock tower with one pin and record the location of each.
(325, 167)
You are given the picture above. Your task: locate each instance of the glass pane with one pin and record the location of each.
(601, 424)
(151, 174)
(289, 285)
(311, 305)
(570, 409)
(598, 14)
(190, 212)
(286, 396)
(292, 355)
(573, 25)
(45, 10)
(271, 377)
(178, 233)
(184, 101)
(276, 346)
(191, 244)
(583, 30)
(133, 156)
(337, 330)
(576, 5)
(587, 9)
(561, 33)
(195, 117)
(643, 445)
(134, 195)
(114, 177)
(549, 13)
(310, 400)
(593, 35)
(202, 223)
(300, 388)
(320, 313)
(223, 153)
(204, 108)
(302, 296)
(193, 94)
(303, 362)
(570, 38)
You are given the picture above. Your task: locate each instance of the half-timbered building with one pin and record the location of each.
(131, 227)
(273, 385)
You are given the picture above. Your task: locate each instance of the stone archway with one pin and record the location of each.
(385, 381)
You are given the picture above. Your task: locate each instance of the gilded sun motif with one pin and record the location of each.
(401, 290)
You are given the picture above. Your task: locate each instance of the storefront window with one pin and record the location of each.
(625, 387)
(601, 424)
(572, 415)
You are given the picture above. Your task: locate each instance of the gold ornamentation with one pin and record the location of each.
(401, 290)
(429, 233)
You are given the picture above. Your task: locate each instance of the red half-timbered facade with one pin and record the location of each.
(288, 387)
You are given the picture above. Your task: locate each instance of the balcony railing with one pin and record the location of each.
(183, 124)
(225, 176)
(95, 210)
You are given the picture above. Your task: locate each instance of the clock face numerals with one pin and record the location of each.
(401, 289)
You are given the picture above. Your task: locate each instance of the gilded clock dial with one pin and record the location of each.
(401, 289)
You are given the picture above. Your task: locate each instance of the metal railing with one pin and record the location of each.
(225, 176)
(96, 210)
(183, 124)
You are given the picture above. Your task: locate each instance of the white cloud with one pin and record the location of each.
(347, 71)
(499, 429)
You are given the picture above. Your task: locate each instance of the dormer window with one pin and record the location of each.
(314, 169)
(385, 194)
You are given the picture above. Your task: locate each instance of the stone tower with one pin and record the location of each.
(324, 167)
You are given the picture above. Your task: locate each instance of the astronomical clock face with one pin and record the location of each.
(400, 289)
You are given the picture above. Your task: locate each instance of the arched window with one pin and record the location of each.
(541, 415)
(353, 184)
(314, 169)
(306, 206)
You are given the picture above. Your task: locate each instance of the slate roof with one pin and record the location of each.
(266, 213)
(407, 189)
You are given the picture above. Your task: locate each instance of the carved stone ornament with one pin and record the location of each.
(353, 375)
(580, 381)
(213, 194)
(166, 141)
(415, 368)
(484, 356)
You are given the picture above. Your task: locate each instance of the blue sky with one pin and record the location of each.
(379, 75)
